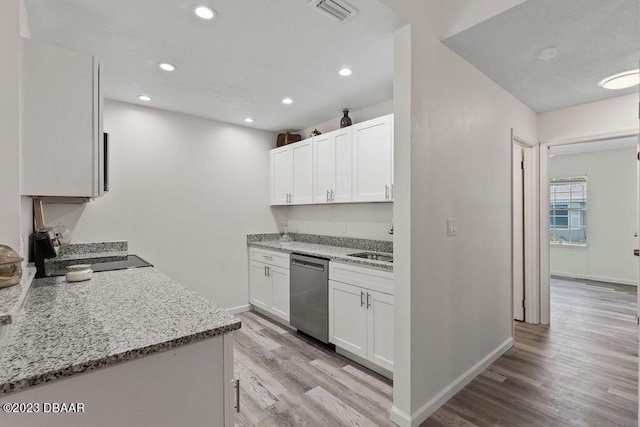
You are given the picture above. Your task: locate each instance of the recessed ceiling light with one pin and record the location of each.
(548, 53)
(248, 120)
(166, 66)
(205, 12)
(144, 98)
(287, 101)
(345, 72)
(621, 80)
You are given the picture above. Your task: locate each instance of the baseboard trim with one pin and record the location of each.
(239, 309)
(403, 420)
(613, 280)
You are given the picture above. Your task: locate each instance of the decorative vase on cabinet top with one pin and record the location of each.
(345, 121)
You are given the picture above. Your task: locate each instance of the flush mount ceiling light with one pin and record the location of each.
(205, 12)
(548, 53)
(248, 120)
(344, 72)
(621, 80)
(166, 66)
(145, 98)
(287, 101)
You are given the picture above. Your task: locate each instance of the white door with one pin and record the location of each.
(372, 160)
(380, 329)
(280, 291)
(348, 318)
(518, 233)
(324, 167)
(281, 175)
(259, 286)
(302, 191)
(343, 190)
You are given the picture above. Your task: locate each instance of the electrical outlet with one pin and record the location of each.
(344, 228)
(451, 226)
(285, 222)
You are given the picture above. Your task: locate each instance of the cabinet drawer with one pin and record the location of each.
(279, 259)
(369, 278)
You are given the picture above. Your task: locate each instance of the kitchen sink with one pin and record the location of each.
(373, 256)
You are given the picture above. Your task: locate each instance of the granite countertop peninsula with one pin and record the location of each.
(334, 248)
(68, 328)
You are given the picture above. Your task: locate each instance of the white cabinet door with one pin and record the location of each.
(332, 168)
(280, 291)
(380, 329)
(348, 318)
(259, 286)
(302, 155)
(281, 175)
(342, 191)
(324, 168)
(61, 122)
(372, 156)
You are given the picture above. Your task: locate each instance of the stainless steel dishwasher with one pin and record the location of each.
(309, 296)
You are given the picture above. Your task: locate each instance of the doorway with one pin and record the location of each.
(588, 213)
(524, 227)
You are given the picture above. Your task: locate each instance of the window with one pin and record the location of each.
(568, 210)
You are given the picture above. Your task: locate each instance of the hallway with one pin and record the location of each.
(580, 371)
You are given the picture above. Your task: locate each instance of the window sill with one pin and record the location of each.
(569, 245)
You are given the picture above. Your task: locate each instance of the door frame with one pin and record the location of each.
(531, 226)
(545, 248)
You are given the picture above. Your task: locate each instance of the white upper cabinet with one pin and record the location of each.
(63, 151)
(354, 164)
(302, 172)
(292, 174)
(372, 160)
(332, 163)
(281, 175)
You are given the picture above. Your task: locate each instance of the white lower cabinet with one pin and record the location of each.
(361, 315)
(269, 282)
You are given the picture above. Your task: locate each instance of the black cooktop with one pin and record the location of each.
(132, 261)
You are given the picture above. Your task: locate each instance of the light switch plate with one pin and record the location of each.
(451, 226)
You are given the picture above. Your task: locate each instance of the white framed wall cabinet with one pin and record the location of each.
(63, 151)
(291, 179)
(332, 167)
(361, 313)
(269, 282)
(373, 160)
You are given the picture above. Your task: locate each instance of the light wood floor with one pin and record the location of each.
(580, 371)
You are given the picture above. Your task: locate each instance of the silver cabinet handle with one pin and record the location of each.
(368, 300)
(236, 385)
(391, 191)
(267, 257)
(328, 199)
(268, 271)
(265, 271)
(386, 192)
(361, 299)
(332, 197)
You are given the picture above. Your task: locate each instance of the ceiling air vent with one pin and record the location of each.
(337, 10)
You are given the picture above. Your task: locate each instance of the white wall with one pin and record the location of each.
(373, 111)
(10, 124)
(185, 191)
(612, 217)
(615, 115)
(457, 289)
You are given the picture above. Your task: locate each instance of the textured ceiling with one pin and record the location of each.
(594, 38)
(587, 147)
(239, 65)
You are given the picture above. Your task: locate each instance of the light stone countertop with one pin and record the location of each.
(68, 328)
(333, 253)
